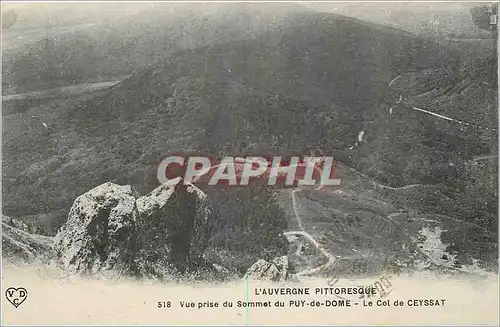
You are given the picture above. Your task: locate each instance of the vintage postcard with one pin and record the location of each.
(249, 163)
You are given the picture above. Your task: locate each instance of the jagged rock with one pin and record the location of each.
(19, 246)
(150, 204)
(98, 235)
(15, 223)
(174, 227)
(283, 266)
(277, 270)
(159, 235)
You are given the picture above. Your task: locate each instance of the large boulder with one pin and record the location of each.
(99, 233)
(174, 228)
(161, 235)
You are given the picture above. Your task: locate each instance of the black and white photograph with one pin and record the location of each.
(249, 163)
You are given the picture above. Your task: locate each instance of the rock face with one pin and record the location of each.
(19, 246)
(277, 270)
(174, 228)
(159, 235)
(99, 233)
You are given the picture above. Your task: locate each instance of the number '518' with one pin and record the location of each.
(164, 304)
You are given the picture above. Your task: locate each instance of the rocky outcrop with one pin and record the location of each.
(276, 270)
(19, 246)
(159, 235)
(174, 228)
(99, 233)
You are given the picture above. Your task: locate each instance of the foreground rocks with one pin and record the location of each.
(173, 230)
(276, 270)
(21, 247)
(172, 233)
(99, 233)
(159, 235)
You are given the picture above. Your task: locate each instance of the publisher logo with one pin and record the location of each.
(16, 296)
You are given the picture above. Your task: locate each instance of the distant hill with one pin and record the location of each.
(436, 20)
(102, 43)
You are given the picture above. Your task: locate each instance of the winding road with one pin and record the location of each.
(330, 258)
(430, 112)
(401, 99)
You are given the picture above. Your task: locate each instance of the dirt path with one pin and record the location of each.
(64, 91)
